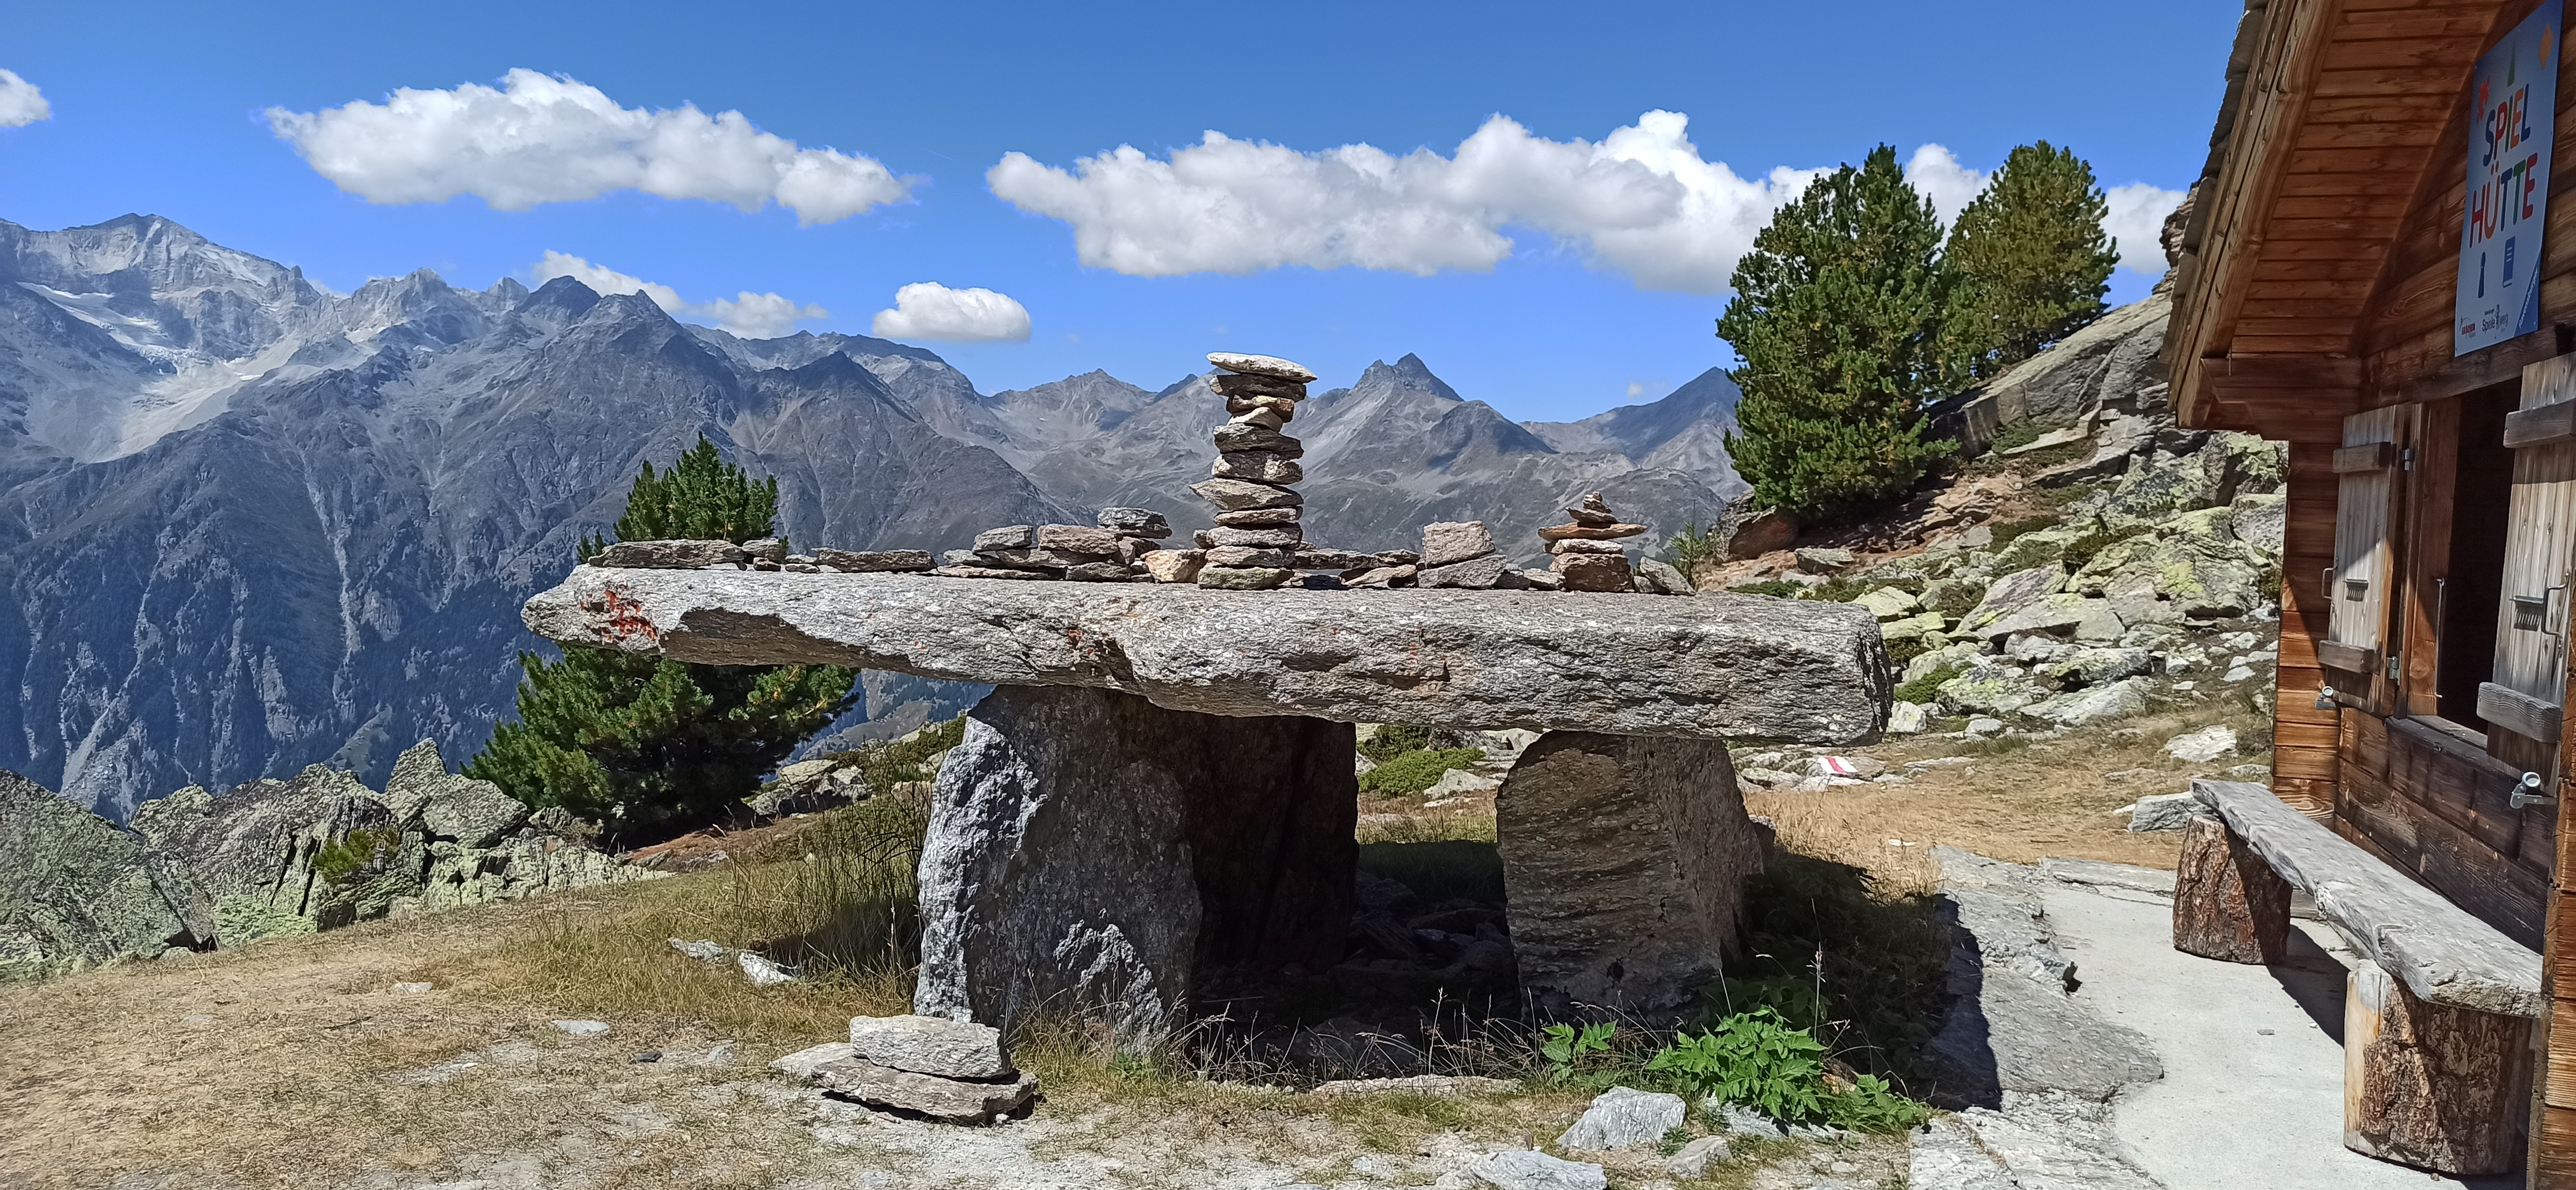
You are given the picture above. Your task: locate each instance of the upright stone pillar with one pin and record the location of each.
(1090, 852)
(1624, 865)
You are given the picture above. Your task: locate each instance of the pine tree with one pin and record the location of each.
(1836, 317)
(648, 746)
(2028, 261)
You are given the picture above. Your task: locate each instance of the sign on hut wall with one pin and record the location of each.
(2513, 114)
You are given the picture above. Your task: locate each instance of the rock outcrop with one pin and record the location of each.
(1715, 665)
(74, 889)
(271, 858)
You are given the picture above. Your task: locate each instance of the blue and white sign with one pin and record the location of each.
(2514, 113)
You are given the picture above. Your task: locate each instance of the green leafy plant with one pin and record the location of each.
(1871, 1105)
(1396, 739)
(1901, 651)
(2006, 531)
(1840, 589)
(342, 858)
(2014, 436)
(1753, 1058)
(1568, 1049)
(1928, 687)
(1695, 544)
(1413, 772)
(1778, 588)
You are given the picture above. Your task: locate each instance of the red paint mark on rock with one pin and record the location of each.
(621, 615)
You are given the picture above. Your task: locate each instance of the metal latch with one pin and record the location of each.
(2526, 792)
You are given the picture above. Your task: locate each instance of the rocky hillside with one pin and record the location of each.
(248, 525)
(2092, 562)
(270, 858)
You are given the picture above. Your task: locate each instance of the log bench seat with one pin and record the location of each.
(2437, 1026)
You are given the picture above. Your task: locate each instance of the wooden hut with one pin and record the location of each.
(2379, 267)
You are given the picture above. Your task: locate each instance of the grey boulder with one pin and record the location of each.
(74, 889)
(1474, 573)
(1622, 1118)
(874, 561)
(1529, 1169)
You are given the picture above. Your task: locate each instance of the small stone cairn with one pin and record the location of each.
(1259, 541)
(1258, 531)
(1585, 553)
(1110, 551)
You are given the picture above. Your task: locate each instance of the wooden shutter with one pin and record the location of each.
(2540, 541)
(2357, 588)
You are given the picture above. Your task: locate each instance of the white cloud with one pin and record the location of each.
(1636, 388)
(930, 310)
(21, 103)
(2137, 222)
(1936, 174)
(750, 315)
(546, 138)
(1641, 201)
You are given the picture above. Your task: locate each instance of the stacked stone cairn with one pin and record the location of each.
(1111, 551)
(1259, 541)
(1586, 556)
(952, 1071)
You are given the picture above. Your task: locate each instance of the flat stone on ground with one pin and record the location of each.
(1714, 665)
(1008, 537)
(988, 572)
(957, 1101)
(1529, 1169)
(931, 1045)
(1174, 566)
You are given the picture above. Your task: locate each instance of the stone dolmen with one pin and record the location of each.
(1155, 806)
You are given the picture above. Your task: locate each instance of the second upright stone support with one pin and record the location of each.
(1092, 853)
(1624, 865)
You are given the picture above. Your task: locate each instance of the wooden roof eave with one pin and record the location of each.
(2210, 284)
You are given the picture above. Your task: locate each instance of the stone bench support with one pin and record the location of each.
(2438, 1021)
(1624, 865)
(1094, 854)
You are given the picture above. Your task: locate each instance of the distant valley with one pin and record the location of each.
(247, 524)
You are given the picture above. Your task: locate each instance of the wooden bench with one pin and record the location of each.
(2437, 1027)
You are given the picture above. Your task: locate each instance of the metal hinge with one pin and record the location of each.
(2394, 666)
(2406, 459)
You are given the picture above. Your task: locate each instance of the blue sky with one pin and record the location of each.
(1588, 306)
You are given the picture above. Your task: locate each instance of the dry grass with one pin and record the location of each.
(2012, 800)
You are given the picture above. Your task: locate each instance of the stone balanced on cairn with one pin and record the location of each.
(1257, 534)
(1587, 552)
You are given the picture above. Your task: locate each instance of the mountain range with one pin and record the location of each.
(248, 524)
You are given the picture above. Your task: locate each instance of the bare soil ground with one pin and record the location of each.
(294, 1063)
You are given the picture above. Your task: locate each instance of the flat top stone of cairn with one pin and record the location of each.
(1710, 665)
(1261, 365)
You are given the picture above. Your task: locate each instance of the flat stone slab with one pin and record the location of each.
(1622, 664)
